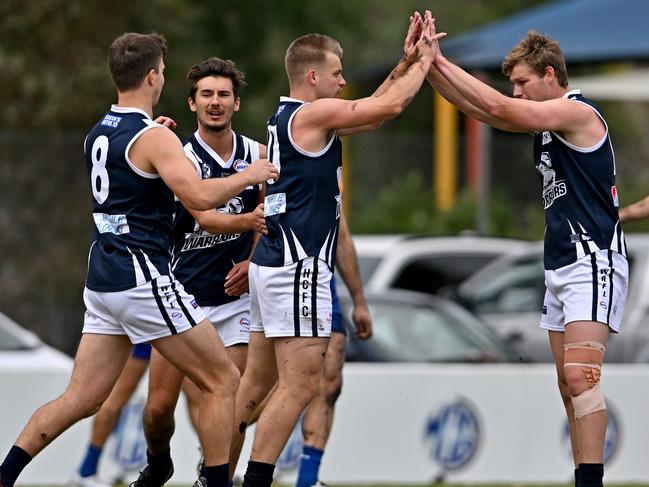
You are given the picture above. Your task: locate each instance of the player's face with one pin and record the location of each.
(528, 85)
(215, 103)
(158, 82)
(330, 77)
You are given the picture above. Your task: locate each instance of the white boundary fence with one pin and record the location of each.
(398, 423)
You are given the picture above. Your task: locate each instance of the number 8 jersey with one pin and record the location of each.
(132, 209)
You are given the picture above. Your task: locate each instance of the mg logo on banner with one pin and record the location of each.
(453, 434)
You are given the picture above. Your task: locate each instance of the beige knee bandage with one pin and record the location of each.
(587, 355)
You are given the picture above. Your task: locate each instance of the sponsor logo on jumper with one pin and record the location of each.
(204, 240)
(116, 224)
(616, 202)
(111, 121)
(240, 165)
(579, 237)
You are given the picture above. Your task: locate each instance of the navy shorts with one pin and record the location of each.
(337, 325)
(141, 351)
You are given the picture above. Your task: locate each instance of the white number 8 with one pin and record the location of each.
(99, 174)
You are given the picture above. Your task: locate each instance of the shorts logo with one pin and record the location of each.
(544, 311)
(453, 435)
(244, 323)
(240, 165)
(547, 138)
(194, 303)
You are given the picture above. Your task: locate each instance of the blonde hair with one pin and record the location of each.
(538, 51)
(308, 51)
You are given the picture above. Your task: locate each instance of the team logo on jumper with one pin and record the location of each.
(552, 189)
(206, 170)
(611, 441)
(233, 207)
(453, 434)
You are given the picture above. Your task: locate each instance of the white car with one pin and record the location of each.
(426, 264)
(508, 295)
(21, 349)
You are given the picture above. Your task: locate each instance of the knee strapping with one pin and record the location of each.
(588, 356)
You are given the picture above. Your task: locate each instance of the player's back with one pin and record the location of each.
(132, 209)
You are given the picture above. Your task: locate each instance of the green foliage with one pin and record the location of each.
(408, 206)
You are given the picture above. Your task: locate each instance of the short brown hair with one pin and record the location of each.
(307, 51)
(215, 66)
(131, 56)
(538, 51)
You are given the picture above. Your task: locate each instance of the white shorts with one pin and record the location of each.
(231, 320)
(593, 288)
(155, 309)
(291, 301)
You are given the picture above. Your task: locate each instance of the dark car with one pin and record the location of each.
(417, 327)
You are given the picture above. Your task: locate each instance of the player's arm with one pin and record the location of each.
(347, 264)
(636, 211)
(162, 151)
(446, 89)
(408, 59)
(518, 115)
(217, 222)
(328, 114)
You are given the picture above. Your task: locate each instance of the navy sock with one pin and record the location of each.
(218, 476)
(160, 464)
(309, 466)
(15, 461)
(576, 477)
(258, 474)
(91, 460)
(591, 475)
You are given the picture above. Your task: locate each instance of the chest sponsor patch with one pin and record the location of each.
(274, 204)
(116, 224)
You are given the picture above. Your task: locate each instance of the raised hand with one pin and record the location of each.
(262, 170)
(410, 42)
(427, 46)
